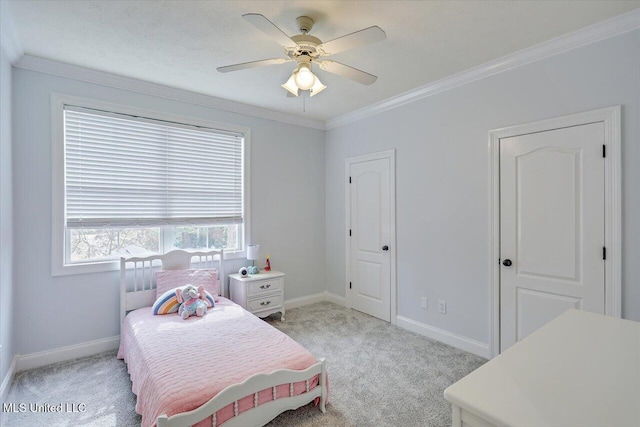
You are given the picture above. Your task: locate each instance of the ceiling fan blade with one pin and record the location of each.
(353, 40)
(348, 72)
(270, 29)
(253, 64)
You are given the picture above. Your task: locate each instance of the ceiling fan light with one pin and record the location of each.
(290, 85)
(304, 78)
(317, 87)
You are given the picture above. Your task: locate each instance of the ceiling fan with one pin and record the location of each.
(306, 50)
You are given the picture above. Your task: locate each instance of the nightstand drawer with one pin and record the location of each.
(264, 286)
(265, 303)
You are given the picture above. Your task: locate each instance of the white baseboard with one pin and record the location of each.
(457, 341)
(47, 357)
(6, 381)
(312, 299)
(302, 301)
(336, 299)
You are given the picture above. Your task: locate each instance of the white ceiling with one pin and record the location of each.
(180, 43)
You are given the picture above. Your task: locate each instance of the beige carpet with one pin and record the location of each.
(379, 375)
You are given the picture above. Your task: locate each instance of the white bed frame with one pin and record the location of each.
(137, 290)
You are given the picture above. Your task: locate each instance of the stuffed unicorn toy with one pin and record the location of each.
(192, 301)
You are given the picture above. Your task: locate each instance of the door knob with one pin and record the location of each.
(385, 248)
(507, 263)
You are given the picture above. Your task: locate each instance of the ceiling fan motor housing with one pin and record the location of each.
(306, 45)
(305, 24)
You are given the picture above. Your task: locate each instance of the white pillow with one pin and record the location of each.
(171, 279)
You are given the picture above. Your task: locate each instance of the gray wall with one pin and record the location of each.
(287, 206)
(298, 185)
(6, 218)
(442, 176)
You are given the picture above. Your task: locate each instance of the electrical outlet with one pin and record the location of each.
(424, 303)
(442, 306)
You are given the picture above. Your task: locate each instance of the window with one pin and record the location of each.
(134, 183)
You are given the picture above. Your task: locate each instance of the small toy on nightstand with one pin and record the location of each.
(268, 266)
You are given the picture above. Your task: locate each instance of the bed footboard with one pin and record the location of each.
(259, 414)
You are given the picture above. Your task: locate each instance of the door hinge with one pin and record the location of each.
(349, 285)
(349, 180)
(604, 150)
(349, 232)
(604, 253)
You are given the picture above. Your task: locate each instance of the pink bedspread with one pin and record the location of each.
(177, 365)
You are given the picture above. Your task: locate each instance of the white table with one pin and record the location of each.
(262, 294)
(581, 369)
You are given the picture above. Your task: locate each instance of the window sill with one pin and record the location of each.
(113, 265)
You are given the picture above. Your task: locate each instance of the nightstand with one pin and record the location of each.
(261, 294)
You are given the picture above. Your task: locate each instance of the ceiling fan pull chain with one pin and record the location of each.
(304, 101)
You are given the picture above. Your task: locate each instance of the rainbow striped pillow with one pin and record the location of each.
(167, 303)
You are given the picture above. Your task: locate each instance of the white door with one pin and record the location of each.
(370, 219)
(551, 227)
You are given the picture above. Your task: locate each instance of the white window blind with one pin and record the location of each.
(124, 171)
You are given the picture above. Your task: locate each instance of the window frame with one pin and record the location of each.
(59, 265)
(166, 237)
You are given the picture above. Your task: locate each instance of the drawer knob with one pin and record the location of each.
(265, 303)
(265, 286)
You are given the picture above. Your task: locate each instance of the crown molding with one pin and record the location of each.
(8, 35)
(612, 27)
(61, 69)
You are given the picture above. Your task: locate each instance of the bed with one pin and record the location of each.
(225, 368)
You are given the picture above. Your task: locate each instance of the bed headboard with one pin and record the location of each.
(137, 275)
